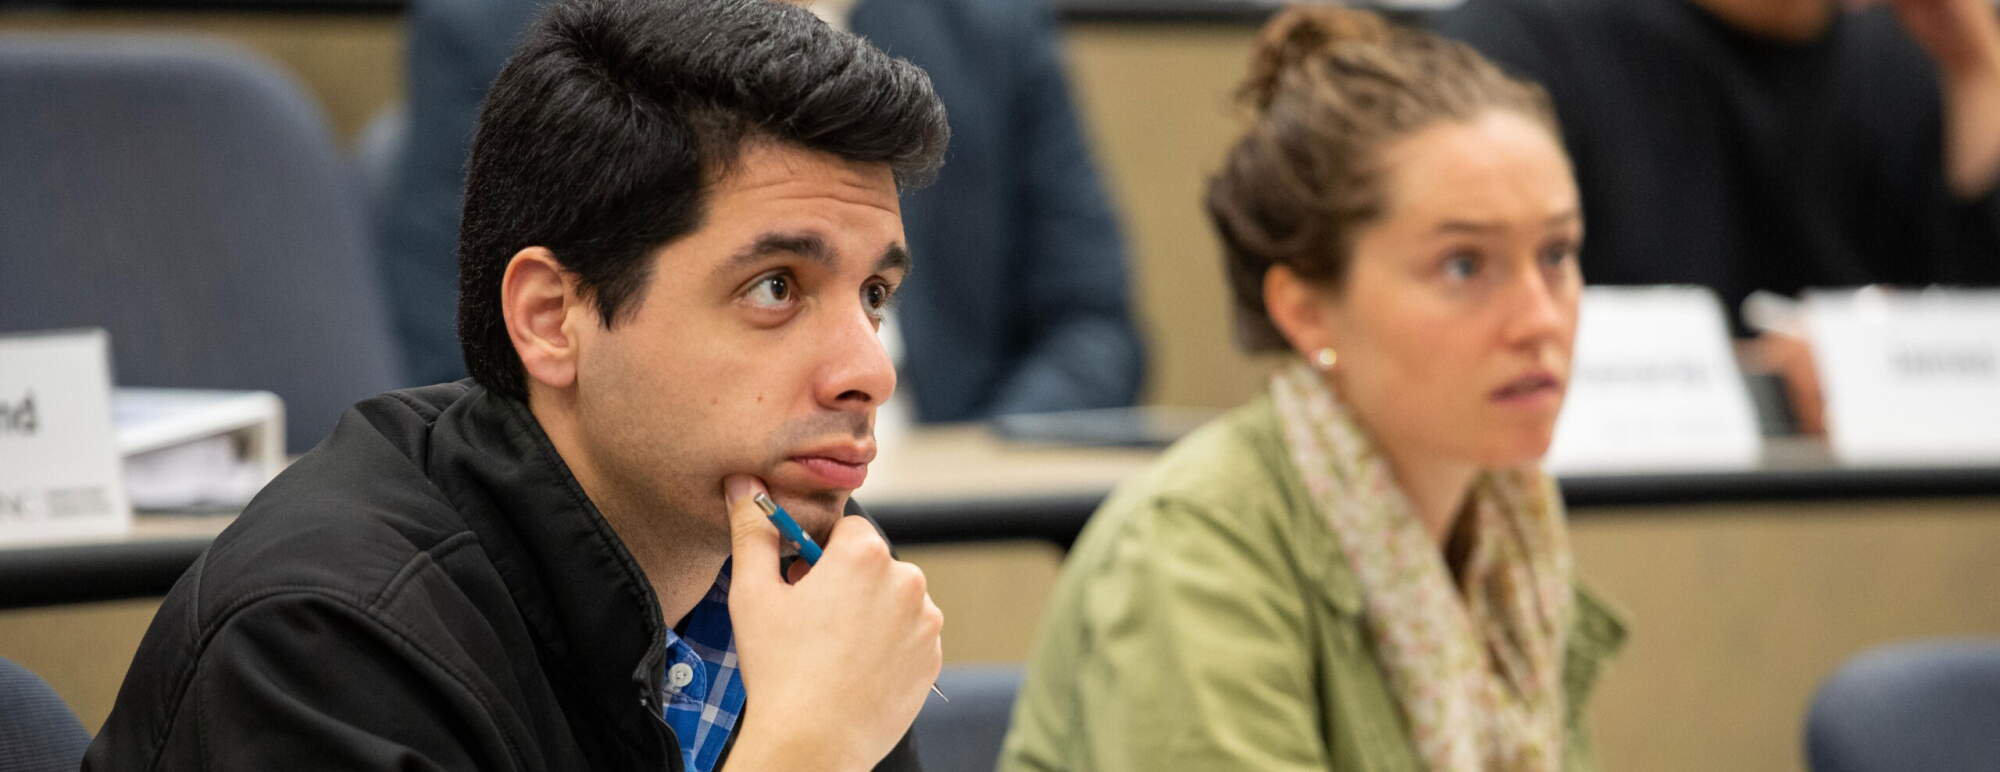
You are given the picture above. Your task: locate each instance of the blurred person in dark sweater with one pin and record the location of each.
(1769, 144)
(1777, 145)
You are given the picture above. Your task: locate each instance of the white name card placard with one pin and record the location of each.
(59, 462)
(1909, 377)
(1654, 386)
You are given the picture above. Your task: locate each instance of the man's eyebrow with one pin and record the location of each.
(805, 245)
(893, 258)
(809, 246)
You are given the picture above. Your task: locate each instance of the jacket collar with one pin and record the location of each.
(578, 589)
(1318, 548)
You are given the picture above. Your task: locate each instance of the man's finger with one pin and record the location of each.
(753, 540)
(858, 543)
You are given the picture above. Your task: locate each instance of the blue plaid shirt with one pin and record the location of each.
(702, 693)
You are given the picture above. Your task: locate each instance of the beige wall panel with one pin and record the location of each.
(81, 650)
(991, 595)
(1737, 612)
(353, 63)
(1156, 97)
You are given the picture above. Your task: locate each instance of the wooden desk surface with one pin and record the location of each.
(956, 463)
(958, 484)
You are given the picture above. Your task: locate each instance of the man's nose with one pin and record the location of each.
(856, 372)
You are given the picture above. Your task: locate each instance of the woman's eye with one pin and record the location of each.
(773, 291)
(1460, 265)
(1558, 254)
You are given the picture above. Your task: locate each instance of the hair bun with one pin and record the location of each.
(1299, 33)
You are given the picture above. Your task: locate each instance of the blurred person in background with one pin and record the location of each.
(1022, 305)
(1774, 145)
(1364, 568)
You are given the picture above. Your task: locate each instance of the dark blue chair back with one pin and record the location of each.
(1932, 706)
(188, 197)
(38, 731)
(964, 735)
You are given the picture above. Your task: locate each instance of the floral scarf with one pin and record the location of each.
(1477, 667)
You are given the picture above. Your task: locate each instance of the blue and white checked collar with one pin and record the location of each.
(702, 693)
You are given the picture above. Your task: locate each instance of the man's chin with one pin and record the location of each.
(816, 510)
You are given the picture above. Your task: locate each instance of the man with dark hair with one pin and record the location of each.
(681, 230)
(1023, 306)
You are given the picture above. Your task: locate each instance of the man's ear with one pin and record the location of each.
(1298, 309)
(542, 306)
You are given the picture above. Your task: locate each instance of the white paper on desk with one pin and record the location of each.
(189, 448)
(1654, 386)
(58, 458)
(1910, 377)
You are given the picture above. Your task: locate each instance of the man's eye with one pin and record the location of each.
(774, 290)
(876, 296)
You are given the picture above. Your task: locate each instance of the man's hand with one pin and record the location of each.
(835, 665)
(1963, 36)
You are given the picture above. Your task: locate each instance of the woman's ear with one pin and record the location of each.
(540, 302)
(1299, 309)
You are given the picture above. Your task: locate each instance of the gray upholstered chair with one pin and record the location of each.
(38, 731)
(1932, 706)
(188, 197)
(964, 735)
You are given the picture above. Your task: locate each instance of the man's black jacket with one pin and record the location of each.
(429, 588)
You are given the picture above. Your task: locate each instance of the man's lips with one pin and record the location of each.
(837, 466)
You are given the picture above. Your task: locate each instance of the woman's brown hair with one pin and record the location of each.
(1329, 88)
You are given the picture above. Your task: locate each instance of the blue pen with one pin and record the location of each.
(789, 528)
(808, 550)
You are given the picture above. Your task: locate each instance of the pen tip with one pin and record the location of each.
(764, 502)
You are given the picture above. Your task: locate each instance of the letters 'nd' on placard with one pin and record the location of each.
(1654, 386)
(59, 464)
(1910, 377)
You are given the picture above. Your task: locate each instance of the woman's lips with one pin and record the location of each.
(833, 473)
(1529, 390)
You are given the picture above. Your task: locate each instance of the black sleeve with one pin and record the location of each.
(305, 680)
(1978, 226)
(1915, 230)
(903, 757)
(1939, 238)
(1522, 36)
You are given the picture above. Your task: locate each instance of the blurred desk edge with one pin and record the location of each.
(926, 496)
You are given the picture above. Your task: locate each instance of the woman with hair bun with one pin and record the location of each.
(1364, 568)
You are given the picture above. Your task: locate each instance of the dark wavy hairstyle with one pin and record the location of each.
(603, 135)
(1329, 87)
